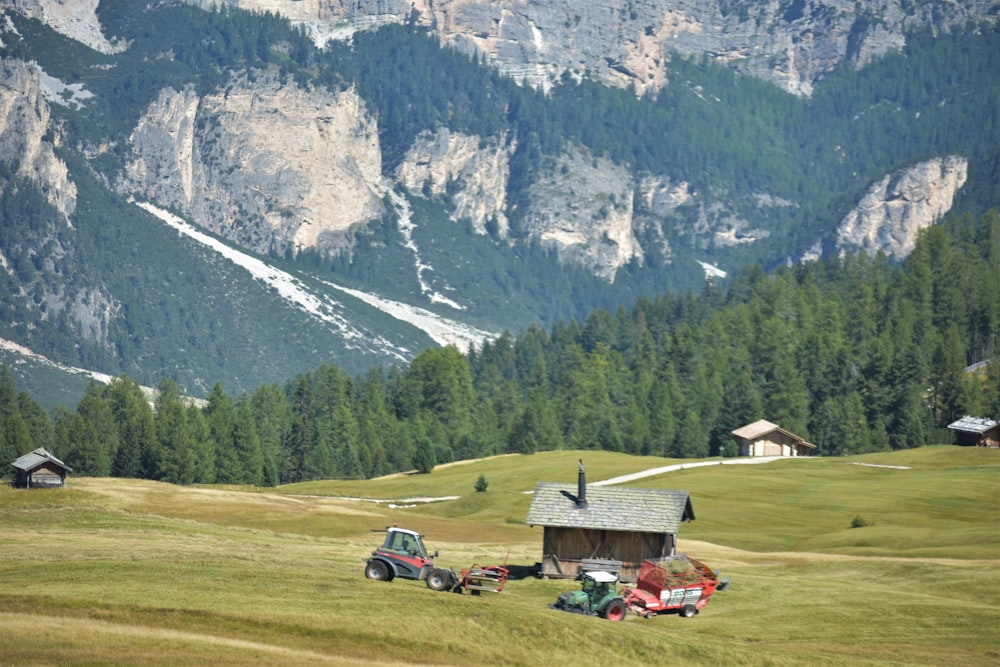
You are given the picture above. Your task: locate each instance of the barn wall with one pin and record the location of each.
(564, 549)
(990, 438)
(42, 477)
(775, 444)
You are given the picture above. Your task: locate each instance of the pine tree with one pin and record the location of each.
(344, 437)
(221, 416)
(96, 444)
(137, 447)
(424, 457)
(247, 445)
(272, 417)
(15, 436)
(177, 462)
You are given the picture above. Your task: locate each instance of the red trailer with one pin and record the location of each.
(677, 584)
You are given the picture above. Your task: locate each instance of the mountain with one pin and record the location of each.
(218, 195)
(629, 44)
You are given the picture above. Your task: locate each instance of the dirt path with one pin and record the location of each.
(652, 472)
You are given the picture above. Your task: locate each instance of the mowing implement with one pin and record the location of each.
(475, 580)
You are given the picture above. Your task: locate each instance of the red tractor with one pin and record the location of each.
(403, 555)
(677, 584)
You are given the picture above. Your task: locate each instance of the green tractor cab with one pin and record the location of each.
(598, 596)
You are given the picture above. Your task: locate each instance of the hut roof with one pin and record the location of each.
(624, 509)
(756, 429)
(36, 458)
(972, 424)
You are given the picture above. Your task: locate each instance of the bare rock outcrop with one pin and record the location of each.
(897, 207)
(628, 44)
(470, 172)
(27, 144)
(76, 19)
(268, 165)
(583, 208)
(24, 127)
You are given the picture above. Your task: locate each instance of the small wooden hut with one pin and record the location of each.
(976, 432)
(605, 528)
(762, 438)
(40, 470)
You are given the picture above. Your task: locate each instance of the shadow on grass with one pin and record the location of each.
(515, 572)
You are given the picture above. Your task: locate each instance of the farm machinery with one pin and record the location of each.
(403, 555)
(598, 596)
(678, 584)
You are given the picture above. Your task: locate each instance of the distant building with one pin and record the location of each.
(39, 470)
(976, 432)
(605, 528)
(762, 438)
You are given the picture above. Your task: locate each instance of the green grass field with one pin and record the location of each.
(128, 572)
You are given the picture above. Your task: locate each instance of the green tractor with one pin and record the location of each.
(598, 596)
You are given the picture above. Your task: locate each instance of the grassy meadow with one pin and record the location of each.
(129, 572)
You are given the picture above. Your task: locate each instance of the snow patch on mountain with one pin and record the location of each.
(406, 227)
(442, 330)
(11, 346)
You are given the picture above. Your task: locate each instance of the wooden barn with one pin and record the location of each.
(976, 432)
(40, 470)
(605, 528)
(762, 438)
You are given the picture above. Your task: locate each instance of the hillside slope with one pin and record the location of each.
(126, 571)
(418, 181)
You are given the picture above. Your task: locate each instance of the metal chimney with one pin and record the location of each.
(581, 488)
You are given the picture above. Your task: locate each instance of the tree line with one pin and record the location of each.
(852, 353)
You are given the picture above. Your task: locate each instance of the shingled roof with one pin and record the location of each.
(36, 458)
(972, 424)
(625, 509)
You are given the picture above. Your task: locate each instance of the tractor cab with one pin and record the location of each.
(404, 541)
(597, 586)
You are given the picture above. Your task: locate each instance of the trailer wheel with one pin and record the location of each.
(616, 610)
(688, 611)
(378, 570)
(439, 580)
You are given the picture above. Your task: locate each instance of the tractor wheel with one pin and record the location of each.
(616, 610)
(378, 570)
(439, 580)
(688, 611)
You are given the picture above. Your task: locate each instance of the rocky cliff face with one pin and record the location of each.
(471, 173)
(268, 165)
(27, 145)
(628, 42)
(897, 207)
(74, 18)
(275, 167)
(24, 128)
(583, 208)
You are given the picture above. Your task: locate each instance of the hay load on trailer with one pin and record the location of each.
(678, 584)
